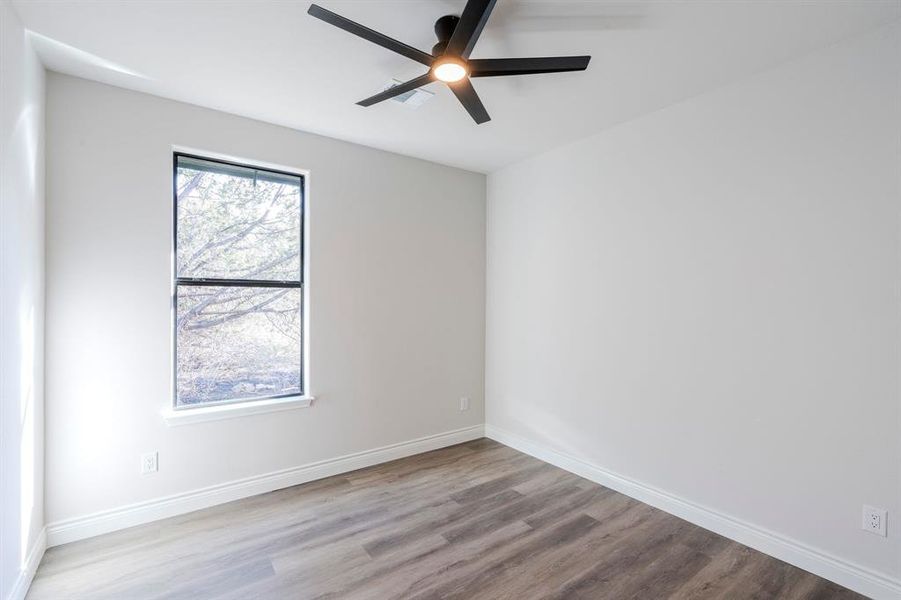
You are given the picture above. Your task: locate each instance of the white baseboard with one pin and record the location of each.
(853, 576)
(23, 580)
(78, 528)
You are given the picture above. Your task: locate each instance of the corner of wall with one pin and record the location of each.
(22, 285)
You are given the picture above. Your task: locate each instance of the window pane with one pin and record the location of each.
(236, 343)
(237, 222)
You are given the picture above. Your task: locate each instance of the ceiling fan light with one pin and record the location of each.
(450, 71)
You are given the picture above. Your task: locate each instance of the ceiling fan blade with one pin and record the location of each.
(398, 89)
(467, 32)
(370, 34)
(499, 67)
(470, 100)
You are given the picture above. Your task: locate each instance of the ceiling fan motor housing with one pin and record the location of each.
(444, 29)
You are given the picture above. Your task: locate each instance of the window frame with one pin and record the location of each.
(267, 402)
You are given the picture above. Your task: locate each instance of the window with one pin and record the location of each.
(238, 282)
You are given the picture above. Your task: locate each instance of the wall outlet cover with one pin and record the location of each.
(464, 403)
(874, 520)
(149, 463)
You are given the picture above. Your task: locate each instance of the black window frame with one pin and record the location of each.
(246, 283)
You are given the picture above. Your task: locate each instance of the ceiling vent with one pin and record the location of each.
(413, 98)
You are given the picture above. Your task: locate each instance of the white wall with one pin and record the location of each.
(706, 300)
(397, 300)
(21, 301)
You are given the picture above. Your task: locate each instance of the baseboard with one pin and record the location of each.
(853, 576)
(78, 528)
(23, 580)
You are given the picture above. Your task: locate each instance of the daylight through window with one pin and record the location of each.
(238, 282)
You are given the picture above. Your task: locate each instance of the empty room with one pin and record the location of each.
(463, 299)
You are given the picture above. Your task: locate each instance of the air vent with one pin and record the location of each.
(413, 98)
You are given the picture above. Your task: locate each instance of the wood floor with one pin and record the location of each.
(478, 520)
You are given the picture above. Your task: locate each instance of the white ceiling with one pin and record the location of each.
(271, 61)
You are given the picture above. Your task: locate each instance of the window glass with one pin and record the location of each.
(238, 282)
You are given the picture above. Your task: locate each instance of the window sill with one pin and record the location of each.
(188, 416)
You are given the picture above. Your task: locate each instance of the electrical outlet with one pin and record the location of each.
(874, 520)
(150, 463)
(464, 403)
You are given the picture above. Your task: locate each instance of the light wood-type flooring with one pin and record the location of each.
(477, 520)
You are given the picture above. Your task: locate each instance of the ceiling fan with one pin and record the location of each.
(449, 61)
